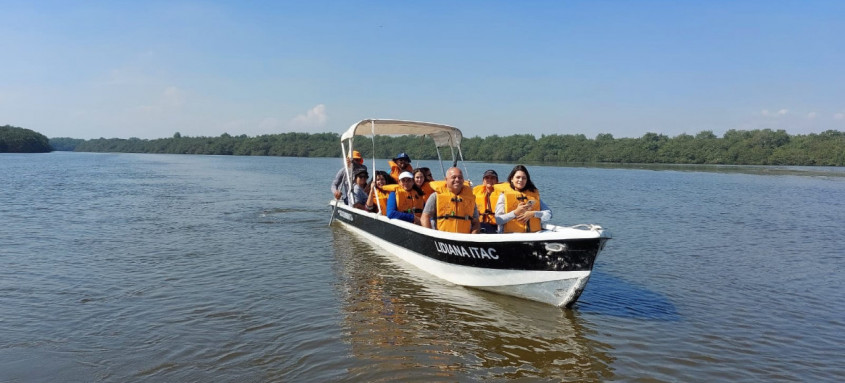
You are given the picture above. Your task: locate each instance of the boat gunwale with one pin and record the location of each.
(562, 232)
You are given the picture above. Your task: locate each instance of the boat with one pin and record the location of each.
(550, 266)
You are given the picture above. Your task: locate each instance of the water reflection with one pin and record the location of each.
(609, 295)
(402, 324)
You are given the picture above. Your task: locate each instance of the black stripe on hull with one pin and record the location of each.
(577, 254)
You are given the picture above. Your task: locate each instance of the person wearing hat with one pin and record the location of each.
(400, 163)
(360, 191)
(486, 196)
(406, 203)
(354, 163)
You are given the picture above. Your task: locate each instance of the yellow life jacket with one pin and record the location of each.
(454, 212)
(409, 202)
(437, 186)
(391, 187)
(381, 196)
(514, 198)
(486, 203)
(440, 185)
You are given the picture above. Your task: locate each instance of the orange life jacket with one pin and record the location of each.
(440, 185)
(395, 171)
(486, 202)
(514, 198)
(437, 186)
(455, 212)
(409, 202)
(381, 196)
(427, 191)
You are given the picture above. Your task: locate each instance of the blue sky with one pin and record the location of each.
(147, 69)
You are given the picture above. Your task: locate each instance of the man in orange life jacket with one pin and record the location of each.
(452, 206)
(402, 163)
(486, 197)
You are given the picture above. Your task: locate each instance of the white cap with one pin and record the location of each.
(406, 175)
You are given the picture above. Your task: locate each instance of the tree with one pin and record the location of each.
(19, 140)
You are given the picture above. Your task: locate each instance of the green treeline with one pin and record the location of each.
(285, 144)
(65, 144)
(19, 140)
(735, 147)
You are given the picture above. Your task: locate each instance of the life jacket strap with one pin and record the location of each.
(461, 217)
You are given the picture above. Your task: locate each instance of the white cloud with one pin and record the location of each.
(783, 112)
(314, 118)
(839, 116)
(811, 115)
(764, 112)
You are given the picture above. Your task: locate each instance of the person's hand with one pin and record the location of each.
(520, 209)
(337, 194)
(525, 216)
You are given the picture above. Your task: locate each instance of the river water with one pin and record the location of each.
(131, 267)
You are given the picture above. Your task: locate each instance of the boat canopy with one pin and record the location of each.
(443, 135)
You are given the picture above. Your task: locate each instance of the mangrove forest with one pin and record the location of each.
(735, 147)
(19, 140)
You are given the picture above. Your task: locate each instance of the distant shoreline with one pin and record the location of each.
(757, 147)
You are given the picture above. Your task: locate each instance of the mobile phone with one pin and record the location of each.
(530, 202)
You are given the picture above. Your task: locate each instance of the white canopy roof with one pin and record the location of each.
(443, 135)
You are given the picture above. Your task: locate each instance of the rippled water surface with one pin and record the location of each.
(124, 267)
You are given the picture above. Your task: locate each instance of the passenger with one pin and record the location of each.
(519, 208)
(406, 202)
(486, 196)
(428, 176)
(452, 206)
(421, 179)
(360, 190)
(339, 184)
(402, 163)
(379, 191)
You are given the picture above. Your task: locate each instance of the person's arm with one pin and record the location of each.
(337, 184)
(503, 217)
(545, 213)
(429, 211)
(370, 199)
(393, 213)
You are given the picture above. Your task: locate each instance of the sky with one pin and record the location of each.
(148, 69)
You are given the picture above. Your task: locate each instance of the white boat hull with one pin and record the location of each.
(556, 287)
